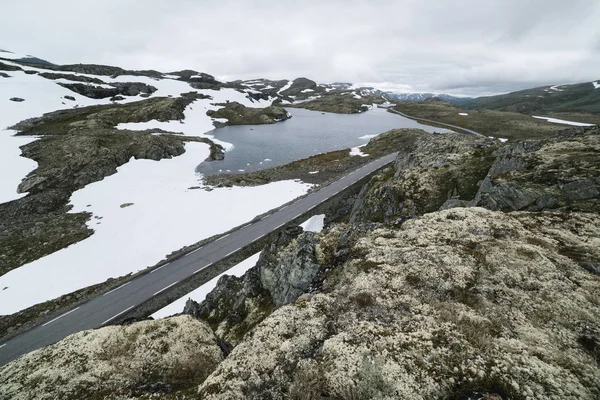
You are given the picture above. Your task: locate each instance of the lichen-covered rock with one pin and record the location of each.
(285, 270)
(290, 275)
(458, 301)
(559, 172)
(147, 356)
(429, 170)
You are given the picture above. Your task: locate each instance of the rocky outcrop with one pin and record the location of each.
(80, 146)
(238, 114)
(453, 302)
(71, 77)
(435, 172)
(344, 103)
(562, 172)
(7, 67)
(284, 271)
(198, 80)
(85, 119)
(17, 99)
(298, 86)
(118, 88)
(429, 171)
(145, 357)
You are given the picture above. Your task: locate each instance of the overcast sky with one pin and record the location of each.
(468, 47)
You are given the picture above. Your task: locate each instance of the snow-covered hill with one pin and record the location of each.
(110, 148)
(138, 215)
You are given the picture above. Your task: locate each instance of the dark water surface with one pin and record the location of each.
(307, 133)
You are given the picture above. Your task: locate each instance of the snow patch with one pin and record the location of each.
(313, 172)
(200, 293)
(286, 87)
(130, 239)
(503, 140)
(562, 121)
(355, 151)
(596, 85)
(307, 91)
(367, 136)
(463, 114)
(314, 223)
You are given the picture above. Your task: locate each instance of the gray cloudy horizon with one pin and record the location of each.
(460, 47)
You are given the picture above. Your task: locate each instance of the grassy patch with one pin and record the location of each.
(508, 125)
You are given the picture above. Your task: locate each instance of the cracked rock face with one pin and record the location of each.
(458, 301)
(430, 171)
(149, 356)
(284, 271)
(437, 172)
(562, 172)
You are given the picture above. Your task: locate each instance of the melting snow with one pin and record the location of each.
(367, 136)
(286, 87)
(562, 121)
(355, 151)
(200, 293)
(314, 223)
(166, 215)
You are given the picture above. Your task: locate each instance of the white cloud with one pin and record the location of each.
(460, 46)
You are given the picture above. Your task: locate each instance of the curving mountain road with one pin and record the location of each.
(436, 122)
(105, 308)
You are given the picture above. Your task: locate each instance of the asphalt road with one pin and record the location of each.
(436, 122)
(103, 309)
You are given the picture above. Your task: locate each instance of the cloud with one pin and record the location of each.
(461, 46)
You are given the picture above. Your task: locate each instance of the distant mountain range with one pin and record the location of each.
(424, 96)
(580, 97)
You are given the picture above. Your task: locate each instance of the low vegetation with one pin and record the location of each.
(509, 125)
(341, 103)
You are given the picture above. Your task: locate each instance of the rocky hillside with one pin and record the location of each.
(499, 124)
(581, 97)
(470, 269)
(234, 113)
